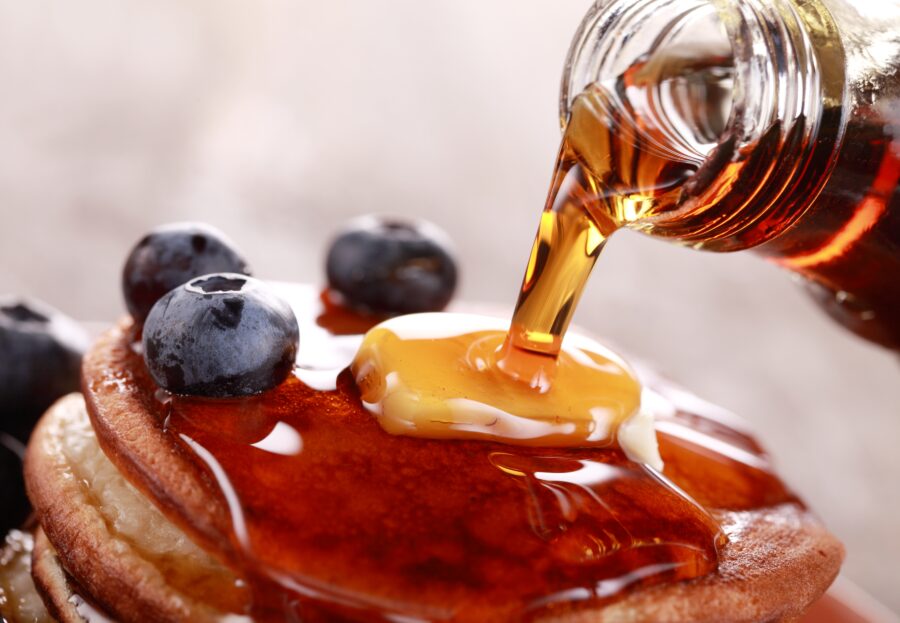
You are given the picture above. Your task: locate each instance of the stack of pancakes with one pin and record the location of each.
(111, 490)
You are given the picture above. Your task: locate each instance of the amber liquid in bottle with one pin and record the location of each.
(847, 245)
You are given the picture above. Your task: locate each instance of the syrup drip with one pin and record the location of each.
(430, 528)
(331, 518)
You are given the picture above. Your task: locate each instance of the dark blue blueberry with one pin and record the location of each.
(12, 485)
(220, 336)
(40, 360)
(171, 255)
(392, 267)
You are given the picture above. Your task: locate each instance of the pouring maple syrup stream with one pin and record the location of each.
(614, 168)
(609, 172)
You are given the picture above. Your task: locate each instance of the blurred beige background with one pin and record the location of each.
(276, 120)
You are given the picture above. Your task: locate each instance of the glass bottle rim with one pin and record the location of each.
(788, 71)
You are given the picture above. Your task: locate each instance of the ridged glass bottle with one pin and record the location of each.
(789, 111)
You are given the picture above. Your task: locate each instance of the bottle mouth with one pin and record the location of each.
(716, 79)
(672, 61)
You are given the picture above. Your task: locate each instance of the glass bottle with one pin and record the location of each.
(771, 125)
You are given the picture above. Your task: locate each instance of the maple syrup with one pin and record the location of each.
(609, 173)
(328, 517)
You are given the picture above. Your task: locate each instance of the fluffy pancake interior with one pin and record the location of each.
(130, 518)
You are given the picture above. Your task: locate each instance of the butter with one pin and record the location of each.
(436, 376)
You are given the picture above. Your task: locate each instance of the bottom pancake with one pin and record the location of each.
(126, 557)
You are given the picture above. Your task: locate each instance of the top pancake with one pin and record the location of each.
(755, 581)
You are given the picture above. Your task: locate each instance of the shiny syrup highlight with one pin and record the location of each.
(331, 518)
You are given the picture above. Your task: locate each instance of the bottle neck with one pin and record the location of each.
(752, 90)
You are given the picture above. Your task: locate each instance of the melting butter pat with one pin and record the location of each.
(436, 376)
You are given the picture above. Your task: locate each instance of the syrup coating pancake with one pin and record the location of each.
(778, 561)
(779, 558)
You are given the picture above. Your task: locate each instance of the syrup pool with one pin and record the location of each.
(437, 376)
(329, 517)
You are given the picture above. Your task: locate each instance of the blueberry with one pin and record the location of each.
(12, 485)
(220, 336)
(393, 267)
(169, 256)
(40, 360)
